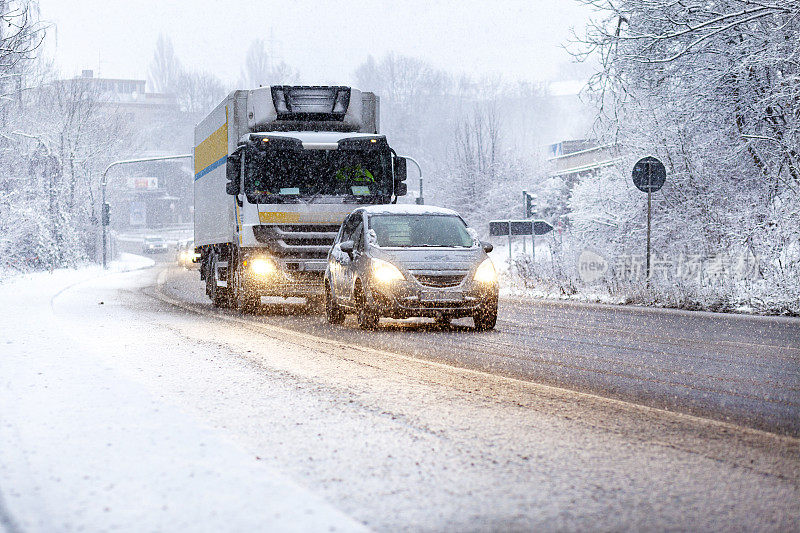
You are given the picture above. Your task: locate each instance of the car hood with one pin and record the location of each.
(431, 259)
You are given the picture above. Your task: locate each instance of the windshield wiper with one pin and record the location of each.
(277, 199)
(310, 199)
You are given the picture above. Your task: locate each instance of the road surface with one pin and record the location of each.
(413, 427)
(734, 368)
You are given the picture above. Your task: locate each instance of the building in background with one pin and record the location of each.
(149, 195)
(128, 98)
(574, 159)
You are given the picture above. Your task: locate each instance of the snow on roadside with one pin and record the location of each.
(512, 286)
(128, 262)
(84, 446)
(67, 276)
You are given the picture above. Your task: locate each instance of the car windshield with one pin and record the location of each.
(304, 173)
(420, 230)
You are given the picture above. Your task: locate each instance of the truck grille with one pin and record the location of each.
(445, 280)
(298, 241)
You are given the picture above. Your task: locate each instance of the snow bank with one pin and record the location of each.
(127, 262)
(87, 446)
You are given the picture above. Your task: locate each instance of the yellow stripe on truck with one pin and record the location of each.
(211, 149)
(289, 217)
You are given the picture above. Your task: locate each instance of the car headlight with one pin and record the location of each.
(261, 266)
(384, 271)
(486, 272)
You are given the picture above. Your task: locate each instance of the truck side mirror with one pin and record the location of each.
(400, 174)
(487, 246)
(232, 173)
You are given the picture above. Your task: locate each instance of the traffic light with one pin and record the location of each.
(530, 204)
(105, 216)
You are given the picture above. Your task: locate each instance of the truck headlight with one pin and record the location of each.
(486, 272)
(261, 266)
(384, 271)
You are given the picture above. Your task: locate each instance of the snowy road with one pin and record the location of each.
(741, 369)
(151, 411)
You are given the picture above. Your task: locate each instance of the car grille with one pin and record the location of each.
(442, 280)
(298, 241)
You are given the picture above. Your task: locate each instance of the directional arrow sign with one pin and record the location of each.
(521, 227)
(540, 227)
(498, 228)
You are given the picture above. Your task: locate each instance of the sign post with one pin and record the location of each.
(510, 259)
(649, 175)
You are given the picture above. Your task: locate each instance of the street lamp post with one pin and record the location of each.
(420, 199)
(104, 182)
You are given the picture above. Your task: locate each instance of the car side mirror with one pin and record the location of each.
(347, 247)
(487, 246)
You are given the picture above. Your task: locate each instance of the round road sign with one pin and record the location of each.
(649, 174)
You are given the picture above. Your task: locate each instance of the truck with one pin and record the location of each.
(276, 171)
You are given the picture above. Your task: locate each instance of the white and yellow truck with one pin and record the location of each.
(277, 169)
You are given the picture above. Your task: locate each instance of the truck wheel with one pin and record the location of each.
(367, 317)
(244, 298)
(486, 317)
(333, 312)
(220, 296)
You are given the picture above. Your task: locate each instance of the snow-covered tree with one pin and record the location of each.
(57, 142)
(261, 69)
(21, 34)
(197, 92)
(712, 89)
(165, 71)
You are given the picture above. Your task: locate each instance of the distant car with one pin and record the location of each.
(405, 261)
(154, 245)
(185, 255)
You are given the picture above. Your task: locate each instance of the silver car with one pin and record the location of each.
(154, 245)
(403, 261)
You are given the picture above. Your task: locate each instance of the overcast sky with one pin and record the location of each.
(325, 40)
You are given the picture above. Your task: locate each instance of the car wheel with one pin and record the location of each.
(367, 317)
(486, 317)
(333, 312)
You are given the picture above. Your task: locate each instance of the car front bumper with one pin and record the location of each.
(407, 299)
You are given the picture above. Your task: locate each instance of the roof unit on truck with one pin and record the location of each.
(312, 108)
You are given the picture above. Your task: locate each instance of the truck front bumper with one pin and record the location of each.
(287, 284)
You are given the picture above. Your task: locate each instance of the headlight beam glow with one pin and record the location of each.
(486, 272)
(385, 272)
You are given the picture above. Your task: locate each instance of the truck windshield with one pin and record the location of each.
(420, 230)
(288, 173)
